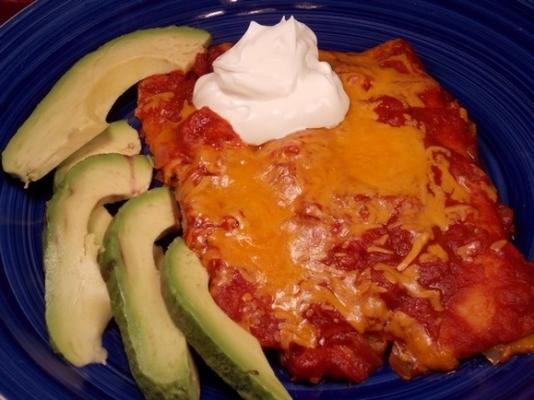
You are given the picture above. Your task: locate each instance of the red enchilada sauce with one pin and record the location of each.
(329, 245)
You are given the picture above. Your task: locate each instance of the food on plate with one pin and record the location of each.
(76, 298)
(230, 350)
(334, 245)
(157, 350)
(272, 83)
(98, 224)
(118, 137)
(332, 204)
(75, 109)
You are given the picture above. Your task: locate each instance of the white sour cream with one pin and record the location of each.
(271, 83)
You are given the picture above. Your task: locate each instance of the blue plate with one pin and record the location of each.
(482, 52)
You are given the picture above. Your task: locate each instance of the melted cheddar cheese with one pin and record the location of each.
(268, 188)
(357, 219)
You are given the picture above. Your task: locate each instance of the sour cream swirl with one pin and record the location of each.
(271, 83)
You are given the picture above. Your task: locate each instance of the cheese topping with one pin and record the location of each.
(299, 200)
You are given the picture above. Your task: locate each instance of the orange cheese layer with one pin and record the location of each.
(287, 196)
(385, 222)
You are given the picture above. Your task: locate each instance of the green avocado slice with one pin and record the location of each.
(77, 302)
(98, 224)
(157, 350)
(118, 137)
(75, 109)
(225, 346)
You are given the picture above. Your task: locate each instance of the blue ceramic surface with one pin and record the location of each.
(481, 51)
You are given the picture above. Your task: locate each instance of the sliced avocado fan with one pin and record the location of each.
(76, 299)
(118, 137)
(157, 350)
(75, 109)
(224, 345)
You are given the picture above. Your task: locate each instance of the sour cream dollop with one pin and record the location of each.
(271, 83)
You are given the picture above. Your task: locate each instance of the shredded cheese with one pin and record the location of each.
(363, 175)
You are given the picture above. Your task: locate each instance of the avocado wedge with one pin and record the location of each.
(76, 299)
(225, 346)
(98, 224)
(157, 350)
(75, 109)
(118, 137)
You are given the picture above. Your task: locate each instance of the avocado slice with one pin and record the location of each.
(157, 350)
(75, 109)
(224, 345)
(98, 224)
(118, 137)
(76, 299)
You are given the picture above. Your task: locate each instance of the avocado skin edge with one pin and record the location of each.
(239, 379)
(151, 390)
(110, 260)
